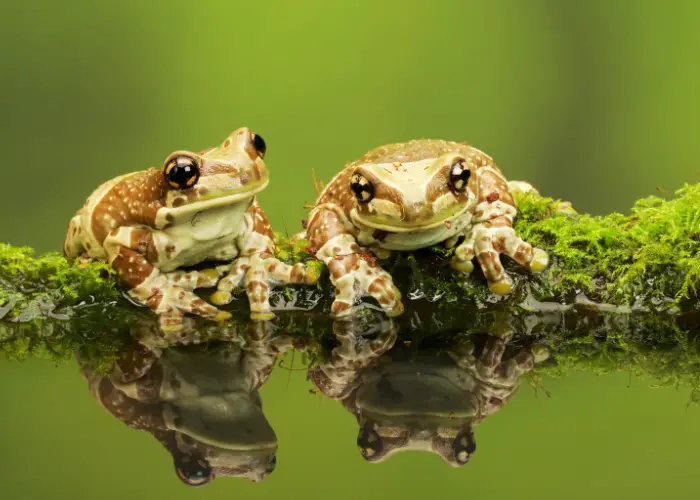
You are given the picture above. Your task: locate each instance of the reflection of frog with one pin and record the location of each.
(198, 207)
(200, 401)
(409, 196)
(422, 400)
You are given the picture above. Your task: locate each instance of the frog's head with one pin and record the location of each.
(203, 463)
(214, 437)
(217, 436)
(454, 444)
(218, 176)
(413, 186)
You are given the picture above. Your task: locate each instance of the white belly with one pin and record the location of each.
(208, 235)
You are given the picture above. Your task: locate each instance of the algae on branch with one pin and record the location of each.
(34, 287)
(649, 259)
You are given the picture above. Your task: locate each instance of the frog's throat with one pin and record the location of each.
(407, 228)
(193, 208)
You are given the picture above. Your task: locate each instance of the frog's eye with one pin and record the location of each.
(182, 172)
(259, 145)
(193, 471)
(464, 446)
(370, 443)
(459, 176)
(363, 189)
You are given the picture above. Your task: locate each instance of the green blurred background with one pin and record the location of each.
(597, 102)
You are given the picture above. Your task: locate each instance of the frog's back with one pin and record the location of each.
(125, 200)
(415, 150)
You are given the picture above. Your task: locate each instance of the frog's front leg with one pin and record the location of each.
(491, 234)
(351, 272)
(257, 268)
(131, 253)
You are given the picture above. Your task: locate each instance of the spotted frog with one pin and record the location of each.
(200, 401)
(429, 400)
(415, 195)
(198, 207)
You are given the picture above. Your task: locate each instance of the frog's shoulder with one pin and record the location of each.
(415, 150)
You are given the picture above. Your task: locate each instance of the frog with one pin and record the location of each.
(199, 398)
(423, 400)
(152, 226)
(413, 195)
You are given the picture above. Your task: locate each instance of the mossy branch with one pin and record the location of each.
(621, 291)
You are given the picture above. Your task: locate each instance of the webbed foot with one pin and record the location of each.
(487, 241)
(258, 273)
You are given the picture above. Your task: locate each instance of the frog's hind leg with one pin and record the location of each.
(130, 252)
(74, 245)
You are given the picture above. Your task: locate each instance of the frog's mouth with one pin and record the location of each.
(168, 215)
(442, 220)
(232, 422)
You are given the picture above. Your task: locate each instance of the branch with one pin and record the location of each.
(620, 289)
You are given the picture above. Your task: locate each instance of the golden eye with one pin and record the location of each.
(193, 472)
(182, 172)
(464, 447)
(362, 188)
(369, 442)
(459, 176)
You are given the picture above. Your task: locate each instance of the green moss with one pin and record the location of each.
(650, 257)
(671, 364)
(49, 284)
(51, 307)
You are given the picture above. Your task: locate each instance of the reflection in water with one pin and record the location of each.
(421, 399)
(198, 395)
(200, 401)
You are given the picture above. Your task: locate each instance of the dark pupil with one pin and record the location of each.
(459, 176)
(182, 173)
(363, 192)
(194, 472)
(471, 448)
(259, 144)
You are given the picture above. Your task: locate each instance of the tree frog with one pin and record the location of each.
(415, 195)
(428, 399)
(198, 207)
(200, 401)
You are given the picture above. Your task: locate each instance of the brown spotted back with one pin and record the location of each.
(134, 200)
(415, 150)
